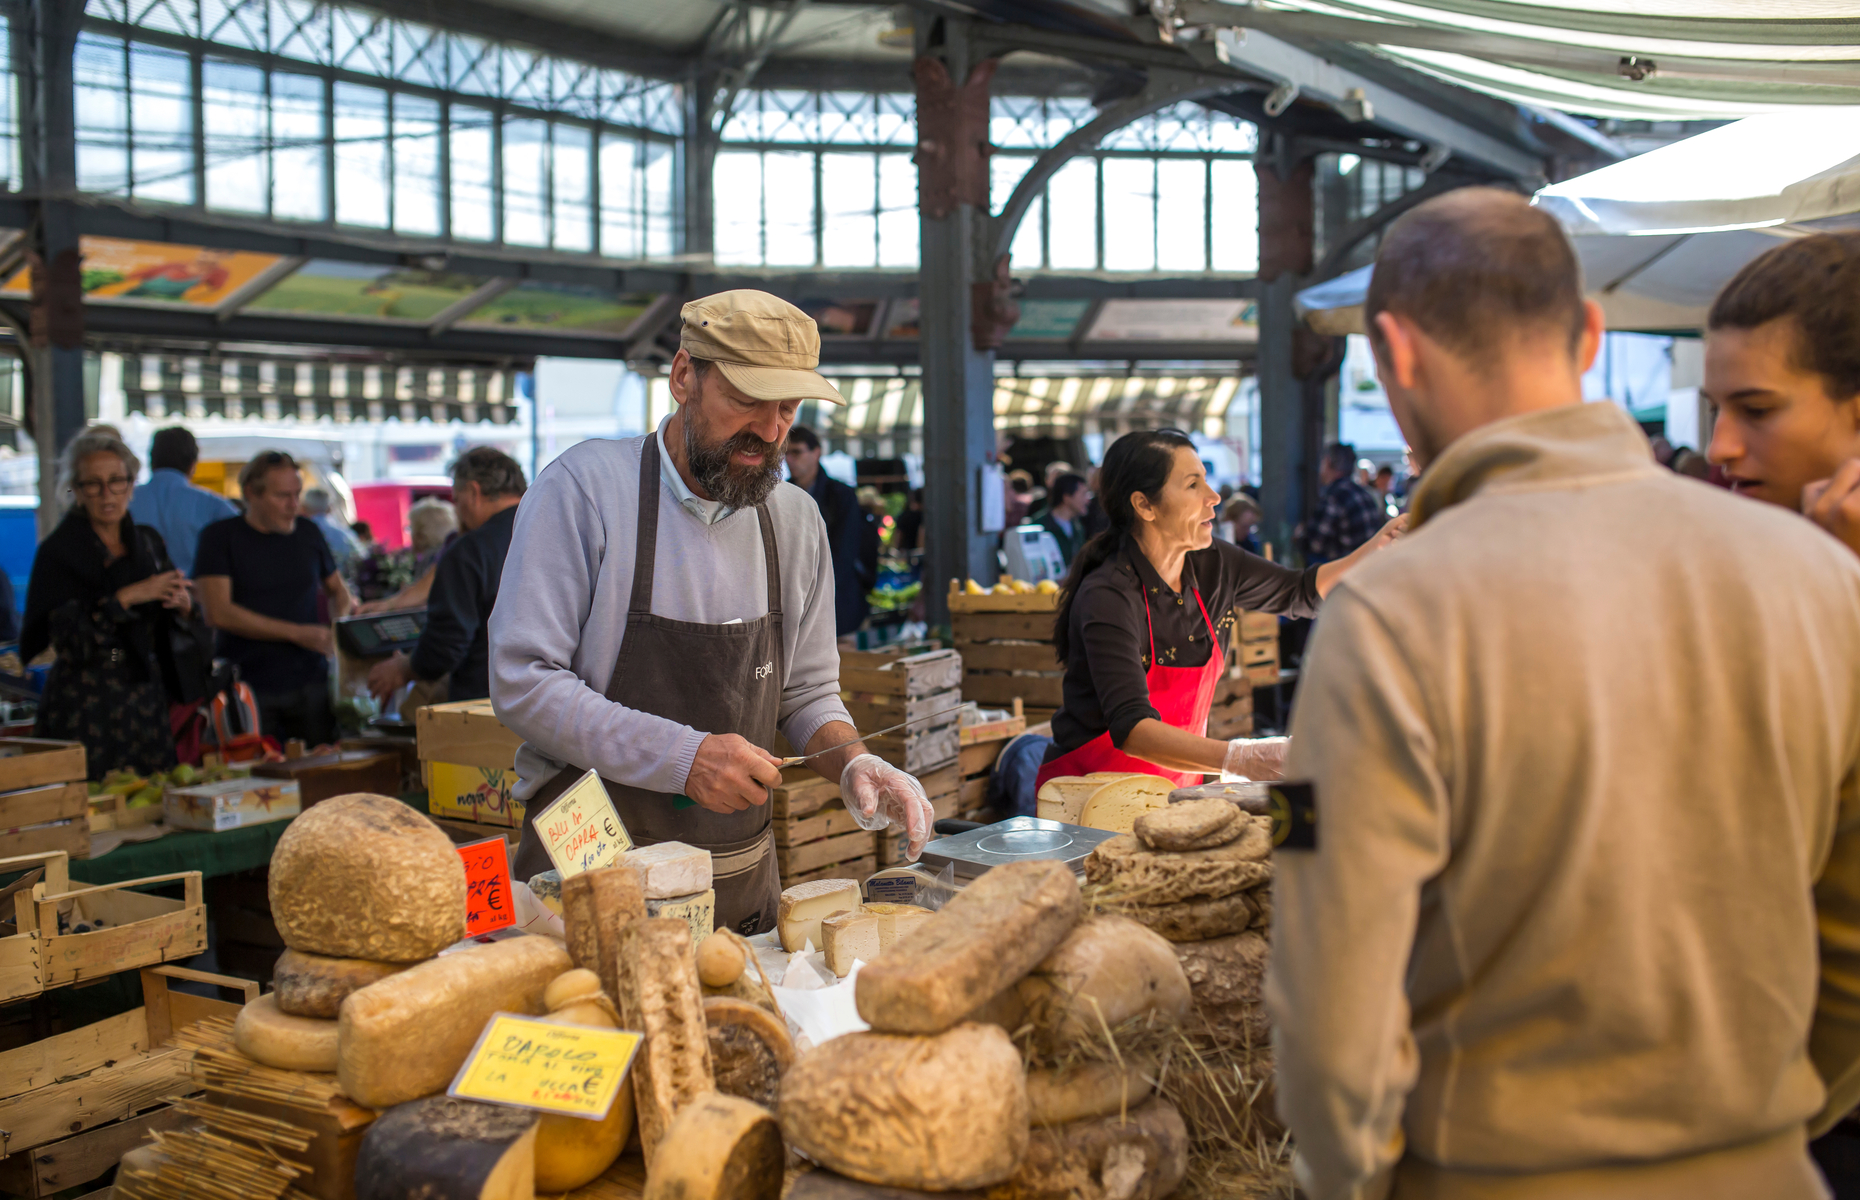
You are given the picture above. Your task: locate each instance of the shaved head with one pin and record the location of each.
(1478, 270)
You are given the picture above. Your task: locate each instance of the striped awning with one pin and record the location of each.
(197, 386)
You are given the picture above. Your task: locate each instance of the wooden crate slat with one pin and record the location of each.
(998, 691)
(802, 799)
(37, 805)
(1010, 656)
(811, 857)
(1264, 675)
(974, 792)
(873, 711)
(919, 753)
(987, 627)
(70, 838)
(830, 821)
(53, 1112)
(914, 675)
(1252, 653)
(77, 1160)
(979, 757)
(76, 1052)
(30, 762)
(941, 780)
(141, 929)
(858, 870)
(1015, 602)
(1256, 625)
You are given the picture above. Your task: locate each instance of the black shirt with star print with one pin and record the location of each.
(1105, 685)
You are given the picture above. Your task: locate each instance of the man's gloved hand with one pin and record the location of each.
(878, 794)
(1255, 758)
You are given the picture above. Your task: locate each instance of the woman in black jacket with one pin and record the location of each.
(103, 594)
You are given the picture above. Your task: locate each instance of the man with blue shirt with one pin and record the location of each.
(171, 505)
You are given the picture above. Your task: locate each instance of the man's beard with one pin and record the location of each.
(713, 465)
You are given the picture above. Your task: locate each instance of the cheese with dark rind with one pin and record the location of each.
(1139, 875)
(407, 1036)
(1227, 970)
(719, 1147)
(989, 935)
(1198, 918)
(455, 1149)
(1190, 825)
(1143, 1156)
(1107, 970)
(363, 876)
(595, 906)
(750, 1049)
(940, 1113)
(660, 997)
(277, 1039)
(1061, 1095)
(313, 985)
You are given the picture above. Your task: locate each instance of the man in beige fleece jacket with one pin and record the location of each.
(1581, 748)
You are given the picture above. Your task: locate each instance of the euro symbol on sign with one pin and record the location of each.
(607, 827)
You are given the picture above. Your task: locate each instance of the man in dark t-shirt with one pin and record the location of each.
(259, 575)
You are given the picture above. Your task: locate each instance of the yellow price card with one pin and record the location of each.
(580, 829)
(573, 1070)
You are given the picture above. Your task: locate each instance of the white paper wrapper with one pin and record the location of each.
(820, 1014)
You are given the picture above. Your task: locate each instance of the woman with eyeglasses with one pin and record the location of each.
(103, 595)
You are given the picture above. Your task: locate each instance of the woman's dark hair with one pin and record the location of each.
(1136, 462)
(1814, 281)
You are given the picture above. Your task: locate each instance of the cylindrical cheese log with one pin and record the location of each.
(365, 876)
(313, 985)
(407, 1036)
(441, 1147)
(1108, 970)
(1139, 1156)
(940, 1113)
(993, 932)
(660, 997)
(280, 1040)
(718, 1148)
(1061, 1095)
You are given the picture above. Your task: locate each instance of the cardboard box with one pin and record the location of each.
(462, 792)
(232, 803)
(467, 733)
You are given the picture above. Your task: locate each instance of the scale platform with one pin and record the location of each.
(1017, 839)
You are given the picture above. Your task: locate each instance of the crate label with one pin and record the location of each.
(488, 903)
(467, 793)
(570, 1070)
(580, 829)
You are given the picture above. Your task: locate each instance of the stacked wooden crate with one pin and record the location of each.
(884, 687)
(468, 761)
(1252, 656)
(1006, 643)
(44, 802)
(1256, 636)
(815, 837)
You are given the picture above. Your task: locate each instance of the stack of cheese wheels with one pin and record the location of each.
(1111, 800)
(935, 1096)
(1199, 873)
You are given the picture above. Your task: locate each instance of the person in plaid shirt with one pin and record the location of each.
(1348, 514)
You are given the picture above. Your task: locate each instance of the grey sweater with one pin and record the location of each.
(561, 612)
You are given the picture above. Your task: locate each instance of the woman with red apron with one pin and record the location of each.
(1145, 618)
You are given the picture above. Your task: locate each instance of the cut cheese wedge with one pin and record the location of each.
(275, 1038)
(862, 934)
(804, 905)
(1063, 798)
(1117, 805)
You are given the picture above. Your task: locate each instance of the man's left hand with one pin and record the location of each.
(390, 675)
(876, 791)
(1834, 504)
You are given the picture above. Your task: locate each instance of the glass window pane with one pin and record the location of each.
(898, 226)
(574, 213)
(102, 115)
(1005, 173)
(661, 199)
(621, 223)
(416, 165)
(1236, 216)
(1072, 216)
(361, 156)
(526, 181)
(297, 163)
(1181, 217)
(849, 195)
(1129, 214)
(736, 232)
(788, 208)
(162, 122)
(471, 173)
(232, 106)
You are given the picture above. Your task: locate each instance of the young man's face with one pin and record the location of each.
(802, 463)
(1778, 429)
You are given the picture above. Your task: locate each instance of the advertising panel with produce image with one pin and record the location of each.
(157, 272)
(560, 308)
(328, 287)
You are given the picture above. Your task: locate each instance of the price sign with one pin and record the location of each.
(573, 1070)
(488, 904)
(581, 830)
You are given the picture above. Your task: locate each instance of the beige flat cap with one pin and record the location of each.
(764, 345)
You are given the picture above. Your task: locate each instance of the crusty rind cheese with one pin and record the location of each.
(1142, 1155)
(940, 1113)
(671, 869)
(1106, 971)
(266, 1034)
(595, 906)
(719, 1148)
(457, 1149)
(1061, 1095)
(750, 1049)
(1226, 970)
(1139, 875)
(1189, 825)
(314, 985)
(1117, 805)
(407, 1036)
(660, 997)
(803, 906)
(364, 876)
(993, 932)
(1197, 919)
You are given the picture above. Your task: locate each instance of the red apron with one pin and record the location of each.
(1181, 696)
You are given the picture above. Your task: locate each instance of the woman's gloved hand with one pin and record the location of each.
(877, 794)
(1255, 758)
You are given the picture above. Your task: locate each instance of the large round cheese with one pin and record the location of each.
(942, 1113)
(718, 1148)
(311, 985)
(452, 1148)
(1106, 971)
(1061, 1095)
(364, 876)
(1136, 874)
(277, 1039)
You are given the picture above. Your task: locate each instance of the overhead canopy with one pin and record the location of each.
(1660, 234)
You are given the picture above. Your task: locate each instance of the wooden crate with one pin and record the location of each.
(19, 953)
(906, 675)
(824, 852)
(1006, 643)
(1017, 602)
(33, 762)
(138, 929)
(47, 816)
(943, 786)
(805, 794)
(858, 870)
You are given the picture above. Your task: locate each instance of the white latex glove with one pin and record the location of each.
(1255, 758)
(877, 794)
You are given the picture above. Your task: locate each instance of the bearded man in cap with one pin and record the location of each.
(667, 608)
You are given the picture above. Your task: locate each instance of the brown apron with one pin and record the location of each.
(716, 678)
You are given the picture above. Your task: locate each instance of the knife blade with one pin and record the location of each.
(798, 759)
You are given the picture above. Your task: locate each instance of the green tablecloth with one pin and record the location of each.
(211, 854)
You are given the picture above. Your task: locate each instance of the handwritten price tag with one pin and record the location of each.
(572, 1070)
(581, 830)
(488, 904)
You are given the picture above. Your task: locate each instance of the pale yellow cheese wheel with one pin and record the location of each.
(1117, 805)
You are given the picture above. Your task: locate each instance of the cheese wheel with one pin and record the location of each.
(1189, 825)
(1108, 970)
(1139, 875)
(573, 1151)
(1197, 919)
(569, 987)
(407, 1036)
(453, 1148)
(1061, 1095)
(363, 876)
(1227, 970)
(312, 985)
(1141, 1156)
(1063, 798)
(264, 1033)
(940, 1113)
(993, 932)
(1117, 805)
(749, 1049)
(719, 1148)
